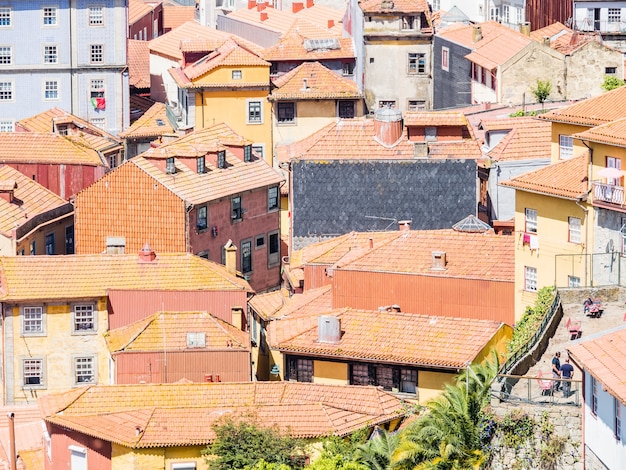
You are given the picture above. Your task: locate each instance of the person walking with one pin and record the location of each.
(556, 371)
(567, 372)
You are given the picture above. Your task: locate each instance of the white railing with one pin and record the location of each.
(608, 193)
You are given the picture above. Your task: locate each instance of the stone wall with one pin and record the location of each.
(564, 422)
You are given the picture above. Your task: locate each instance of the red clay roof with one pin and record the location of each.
(31, 199)
(167, 414)
(398, 6)
(612, 133)
(72, 276)
(566, 179)
(137, 9)
(564, 39)
(605, 359)
(28, 423)
(138, 63)
(595, 111)
(355, 139)
(435, 119)
(321, 83)
(400, 338)
(176, 15)
(153, 123)
(149, 333)
(527, 139)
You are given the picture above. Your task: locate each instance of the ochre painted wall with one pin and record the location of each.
(330, 373)
(566, 129)
(430, 384)
(124, 458)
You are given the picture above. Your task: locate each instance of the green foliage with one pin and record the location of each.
(244, 444)
(611, 83)
(376, 453)
(530, 321)
(335, 462)
(542, 90)
(516, 429)
(263, 465)
(551, 445)
(521, 113)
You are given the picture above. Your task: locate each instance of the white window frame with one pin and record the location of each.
(37, 315)
(96, 88)
(6, 55)
(530, 220)
(249, 104)
(506, 10)
(96, 56)
(574, 229)
(55, 17)
(259, 149)
(50, 58)
(83, 363)
(416, 105)
(7, 125)
(6, 16)
(196, 339)
(415, 59)
(95, 15)
(566, 147)
(33, 361)
(99, 122)
(530, 279)
(237, 74)
(84, 314)
(445, 59)
(494, 14)
(51, 87)
(184, 466)
(521, 17)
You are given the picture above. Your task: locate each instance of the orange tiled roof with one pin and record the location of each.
(398, 6)
(564, 39)
(33, 199)
(32, 459)
(323, 16)
(176, 15)
(153, 123)
(138, 106)
(567, 179)
(312, 301)
(34, 147)
(138, 63)
(307, 42)
(28, 422)
(404, 338)
(434, 118)
(528, 138)
(595, 111)
(497, 46)
(268, 303)
(215, 183)
(148, 334)
(612, 133)
(321, 83)
(72, 276)
(605, 359)
(137, 9)
(166, 414)
(468, 255)
(354, 139)
(549, 31)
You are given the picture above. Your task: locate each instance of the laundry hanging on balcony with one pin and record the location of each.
(98, 103)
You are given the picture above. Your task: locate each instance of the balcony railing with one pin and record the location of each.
(608, 193)
(602, 26)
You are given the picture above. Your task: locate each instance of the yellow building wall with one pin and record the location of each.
(553, 236)
(330, 373)
(498, 344)
(559, 129)
(39, 237)
(285, 226)
(430, 384)
(600, 152)
(58, 347)
(123, 458)
(214, 106)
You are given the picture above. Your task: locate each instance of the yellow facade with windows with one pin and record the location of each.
(51, 350)
(567, 130)
(243, 105)
(123, 458)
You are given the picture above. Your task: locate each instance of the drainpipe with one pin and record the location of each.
(12, 457)
(585, 210)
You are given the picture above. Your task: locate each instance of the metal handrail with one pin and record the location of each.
(524, 348)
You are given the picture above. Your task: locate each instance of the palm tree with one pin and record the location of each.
(376, 453)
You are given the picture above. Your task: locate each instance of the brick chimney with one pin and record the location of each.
(7, 189)
(261, 6)
(231, 257)
(264, 16)
(477, 33)
(404, 225)
(251, 4)
(310, 3)
(388, 126)
(146, 254)
(331, 24)
(296, 7)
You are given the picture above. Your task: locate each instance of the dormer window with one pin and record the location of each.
(221, 159)
(170, 168)
(408, 22)
(247, 153)
(201, 166)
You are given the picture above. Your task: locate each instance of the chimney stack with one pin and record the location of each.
(7, 189)
(231, 257)
(404, 225)
(524, 28)
(477, 33)
(331, 24)
(388, 126)
(260, 6)
(146, 254)
(264, 16)
(546, 41)
(296, 7)
(251, 4)
(371, 240)
(309, 3)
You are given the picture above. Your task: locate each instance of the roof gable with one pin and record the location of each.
(153, 123)
(595, 111)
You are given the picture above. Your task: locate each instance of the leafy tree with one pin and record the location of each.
(611, 83)
(263, 465)
(376, 453)
(242, 444)
(335, 462)
(542, 90)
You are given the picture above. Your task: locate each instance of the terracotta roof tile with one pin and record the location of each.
(32, 459)
(564, 39)
(527, 139)
(404, 338)
(34, 147)
(153, 123)
(399, 6)
(549, 31)
(565, 179)
(215, 183)
(138, 63)
(310, 302)
(307, 42)
(354, 139)
(28, 422)
(612, 133)
(595, 111)
(169, 44)
(171, 328)
(434, 118)
(72, 276)
(176, 15)
(321, 83)
(268, 303)
(31, 199)
(166, 413)
(137, 9)
(604, 357)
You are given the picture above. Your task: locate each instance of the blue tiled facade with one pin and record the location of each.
(52, 62)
